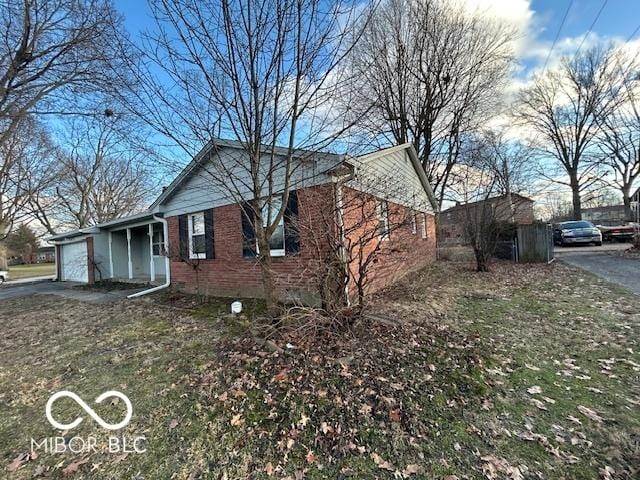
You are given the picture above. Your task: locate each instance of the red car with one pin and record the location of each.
(621, 233)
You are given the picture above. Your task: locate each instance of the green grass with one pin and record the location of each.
(445, 390)
(34, 270)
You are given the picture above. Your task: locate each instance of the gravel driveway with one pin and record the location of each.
(606, 262)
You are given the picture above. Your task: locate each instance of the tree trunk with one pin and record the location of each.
(268, 282)
(3, 256)
(626, 199)
(575, 192)
(4, 231)
(481, 260)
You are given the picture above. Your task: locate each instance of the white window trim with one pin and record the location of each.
(192, 255)
(160, 244)
(424, 226)
(414, 223)
(275, 252)
(383, 214)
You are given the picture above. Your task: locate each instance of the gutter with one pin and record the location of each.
(167, 263)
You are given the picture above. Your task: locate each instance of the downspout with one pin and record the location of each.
(167, 262)
(340, 222)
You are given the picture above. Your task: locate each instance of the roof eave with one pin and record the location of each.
(422, 176)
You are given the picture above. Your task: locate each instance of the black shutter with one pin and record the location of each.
(291, 233)
(183, 232)
(248, 232)
(209, 244)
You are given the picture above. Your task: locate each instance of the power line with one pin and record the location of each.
(555, 40)
(604, 4)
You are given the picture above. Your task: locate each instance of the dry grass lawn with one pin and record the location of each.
(524, 372)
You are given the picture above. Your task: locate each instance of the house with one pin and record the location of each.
(607, 215)
(196, 236)
(45, 255)
(452, 220)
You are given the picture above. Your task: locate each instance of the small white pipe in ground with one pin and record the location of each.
(167, 263)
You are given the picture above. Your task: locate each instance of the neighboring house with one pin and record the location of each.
(452, 220)
(196, 237)
(45, 255)
(608, 215)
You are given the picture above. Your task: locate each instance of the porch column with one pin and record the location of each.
(130, 263)
(152, 268)
(110, 254)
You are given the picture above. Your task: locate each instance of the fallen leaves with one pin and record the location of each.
(73, 467)
(381, 463)
(394, 415)
(494, 466)
(411, 469)
(237, 420)
(589, 413)
(310, 457)
(18, 461)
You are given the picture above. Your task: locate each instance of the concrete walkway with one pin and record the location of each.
(23, 281)
(62, 289)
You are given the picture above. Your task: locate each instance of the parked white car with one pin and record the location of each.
(4, 276)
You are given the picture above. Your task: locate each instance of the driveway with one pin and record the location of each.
(606, 262)
(61, 289)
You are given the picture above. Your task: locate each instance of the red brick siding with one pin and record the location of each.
(229, 274)
(402, 253)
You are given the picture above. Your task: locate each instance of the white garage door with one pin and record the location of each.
(74, 262)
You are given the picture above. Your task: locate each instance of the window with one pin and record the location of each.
(196, 236)
(157, 241)
(414, 223)
(276, 244)
(424, 226)
(383, 220)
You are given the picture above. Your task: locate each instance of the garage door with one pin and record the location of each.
(74, 262)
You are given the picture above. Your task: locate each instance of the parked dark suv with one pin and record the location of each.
(576, 232)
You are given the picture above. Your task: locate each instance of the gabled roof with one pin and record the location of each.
(415, 162)
(202, 156)
(462, 206)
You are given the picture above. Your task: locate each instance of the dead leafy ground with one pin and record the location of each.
(526, 372)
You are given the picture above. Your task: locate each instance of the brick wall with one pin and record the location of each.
(229, 274)
(403, 251)
(297, 276)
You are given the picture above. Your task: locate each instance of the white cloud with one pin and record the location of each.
(517, 13)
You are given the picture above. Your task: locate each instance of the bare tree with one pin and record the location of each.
(563, 108)
(429, 73)
(101, 172)
(52, 53)
(619, 138)
(368, 217)
(25, 163)
(493, 170)
(262, 73)
(510, 162)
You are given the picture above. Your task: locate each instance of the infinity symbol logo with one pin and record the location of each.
(89, 410)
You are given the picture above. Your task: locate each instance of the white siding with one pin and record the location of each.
(392, 177)
(215, 184)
